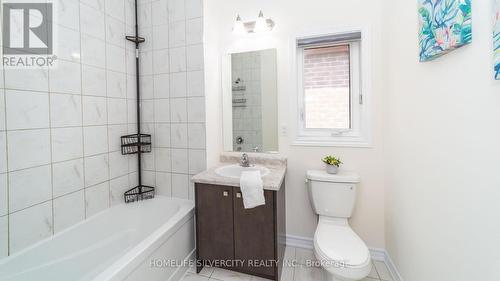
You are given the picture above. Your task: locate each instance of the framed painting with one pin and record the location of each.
(445, 25)
(496, 39)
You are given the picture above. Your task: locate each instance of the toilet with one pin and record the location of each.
(340, 251)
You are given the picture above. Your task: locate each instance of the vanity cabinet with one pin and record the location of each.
(226, 231)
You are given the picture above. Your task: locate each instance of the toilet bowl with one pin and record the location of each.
(341, 252)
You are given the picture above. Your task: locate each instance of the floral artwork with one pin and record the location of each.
(496, 39)
(445, 25)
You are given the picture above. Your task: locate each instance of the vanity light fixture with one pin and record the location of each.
(260, 25)
(239, 26)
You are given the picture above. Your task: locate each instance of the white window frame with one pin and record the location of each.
(359, 135)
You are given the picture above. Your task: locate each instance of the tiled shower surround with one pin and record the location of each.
(173, 102)
(60, 129)
(247, 101)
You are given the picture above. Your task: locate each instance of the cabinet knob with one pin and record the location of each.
(238, 195)
(225, 193)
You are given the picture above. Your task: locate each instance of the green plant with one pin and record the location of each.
(332, 160)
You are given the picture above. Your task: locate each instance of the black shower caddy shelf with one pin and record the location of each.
(137, 143)
(131, 144)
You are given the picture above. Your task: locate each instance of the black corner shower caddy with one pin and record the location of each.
(137, 143)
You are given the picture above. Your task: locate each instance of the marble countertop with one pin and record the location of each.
(276, 165)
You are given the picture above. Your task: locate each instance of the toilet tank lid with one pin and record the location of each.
(341, 177)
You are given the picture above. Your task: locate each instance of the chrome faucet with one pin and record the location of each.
(244, 161)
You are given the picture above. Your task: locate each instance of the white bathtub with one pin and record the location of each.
(116, 244)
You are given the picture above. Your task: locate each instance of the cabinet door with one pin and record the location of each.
(254, 235)
(214, 221)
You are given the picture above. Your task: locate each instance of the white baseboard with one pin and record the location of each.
(392, 268)
(299, 242)
(375, 253)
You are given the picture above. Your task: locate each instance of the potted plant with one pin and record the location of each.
(332, 164)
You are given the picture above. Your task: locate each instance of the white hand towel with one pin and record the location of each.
(252, 189)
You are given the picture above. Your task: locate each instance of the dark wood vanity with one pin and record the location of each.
(250, 241)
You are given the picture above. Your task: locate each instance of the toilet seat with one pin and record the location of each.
(340, 249)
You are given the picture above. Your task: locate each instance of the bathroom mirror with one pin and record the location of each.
(250, 107)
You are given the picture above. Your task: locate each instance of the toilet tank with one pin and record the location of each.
(332, 195)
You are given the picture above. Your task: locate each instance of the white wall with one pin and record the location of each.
(442, 153)
(292, 17)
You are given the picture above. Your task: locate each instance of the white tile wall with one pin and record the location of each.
(66, 143)
(3, 195)
(68, 210)
(60, 159)
(2, 109)
(179, 138)
(96, 198)
(4, 233)
(117, 187)
(95, 139)
(28, 148)
(164, 183)
(29, 187)
(66, 78)
(94, 80)
(29, 226)
(67, 177)
(60, 128)
(67, 13)
(26, 109)
(177, 122)
(68, 42)
(3, 155)
(94, 111)
(96, 169)
(196, 85)
(16, 79)
(65, 110)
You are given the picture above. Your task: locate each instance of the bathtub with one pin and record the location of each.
(148, 240)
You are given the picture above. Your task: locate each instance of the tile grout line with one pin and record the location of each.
(171, 178)
(51, 151)
(127, 84)
(6, 154)
(153, 129)
(107, 99)
(187, 107)
(82, 107)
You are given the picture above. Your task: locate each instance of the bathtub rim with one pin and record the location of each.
(147, 245)
(122, 267)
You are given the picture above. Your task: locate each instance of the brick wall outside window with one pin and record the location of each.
(326, 87)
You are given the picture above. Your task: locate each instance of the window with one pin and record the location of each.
(326, 80)
(331, 109)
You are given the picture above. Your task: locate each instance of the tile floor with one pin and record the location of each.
(300, 273)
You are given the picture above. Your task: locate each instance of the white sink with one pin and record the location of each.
(234, 171)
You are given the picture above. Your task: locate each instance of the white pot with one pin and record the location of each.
(332, 169)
